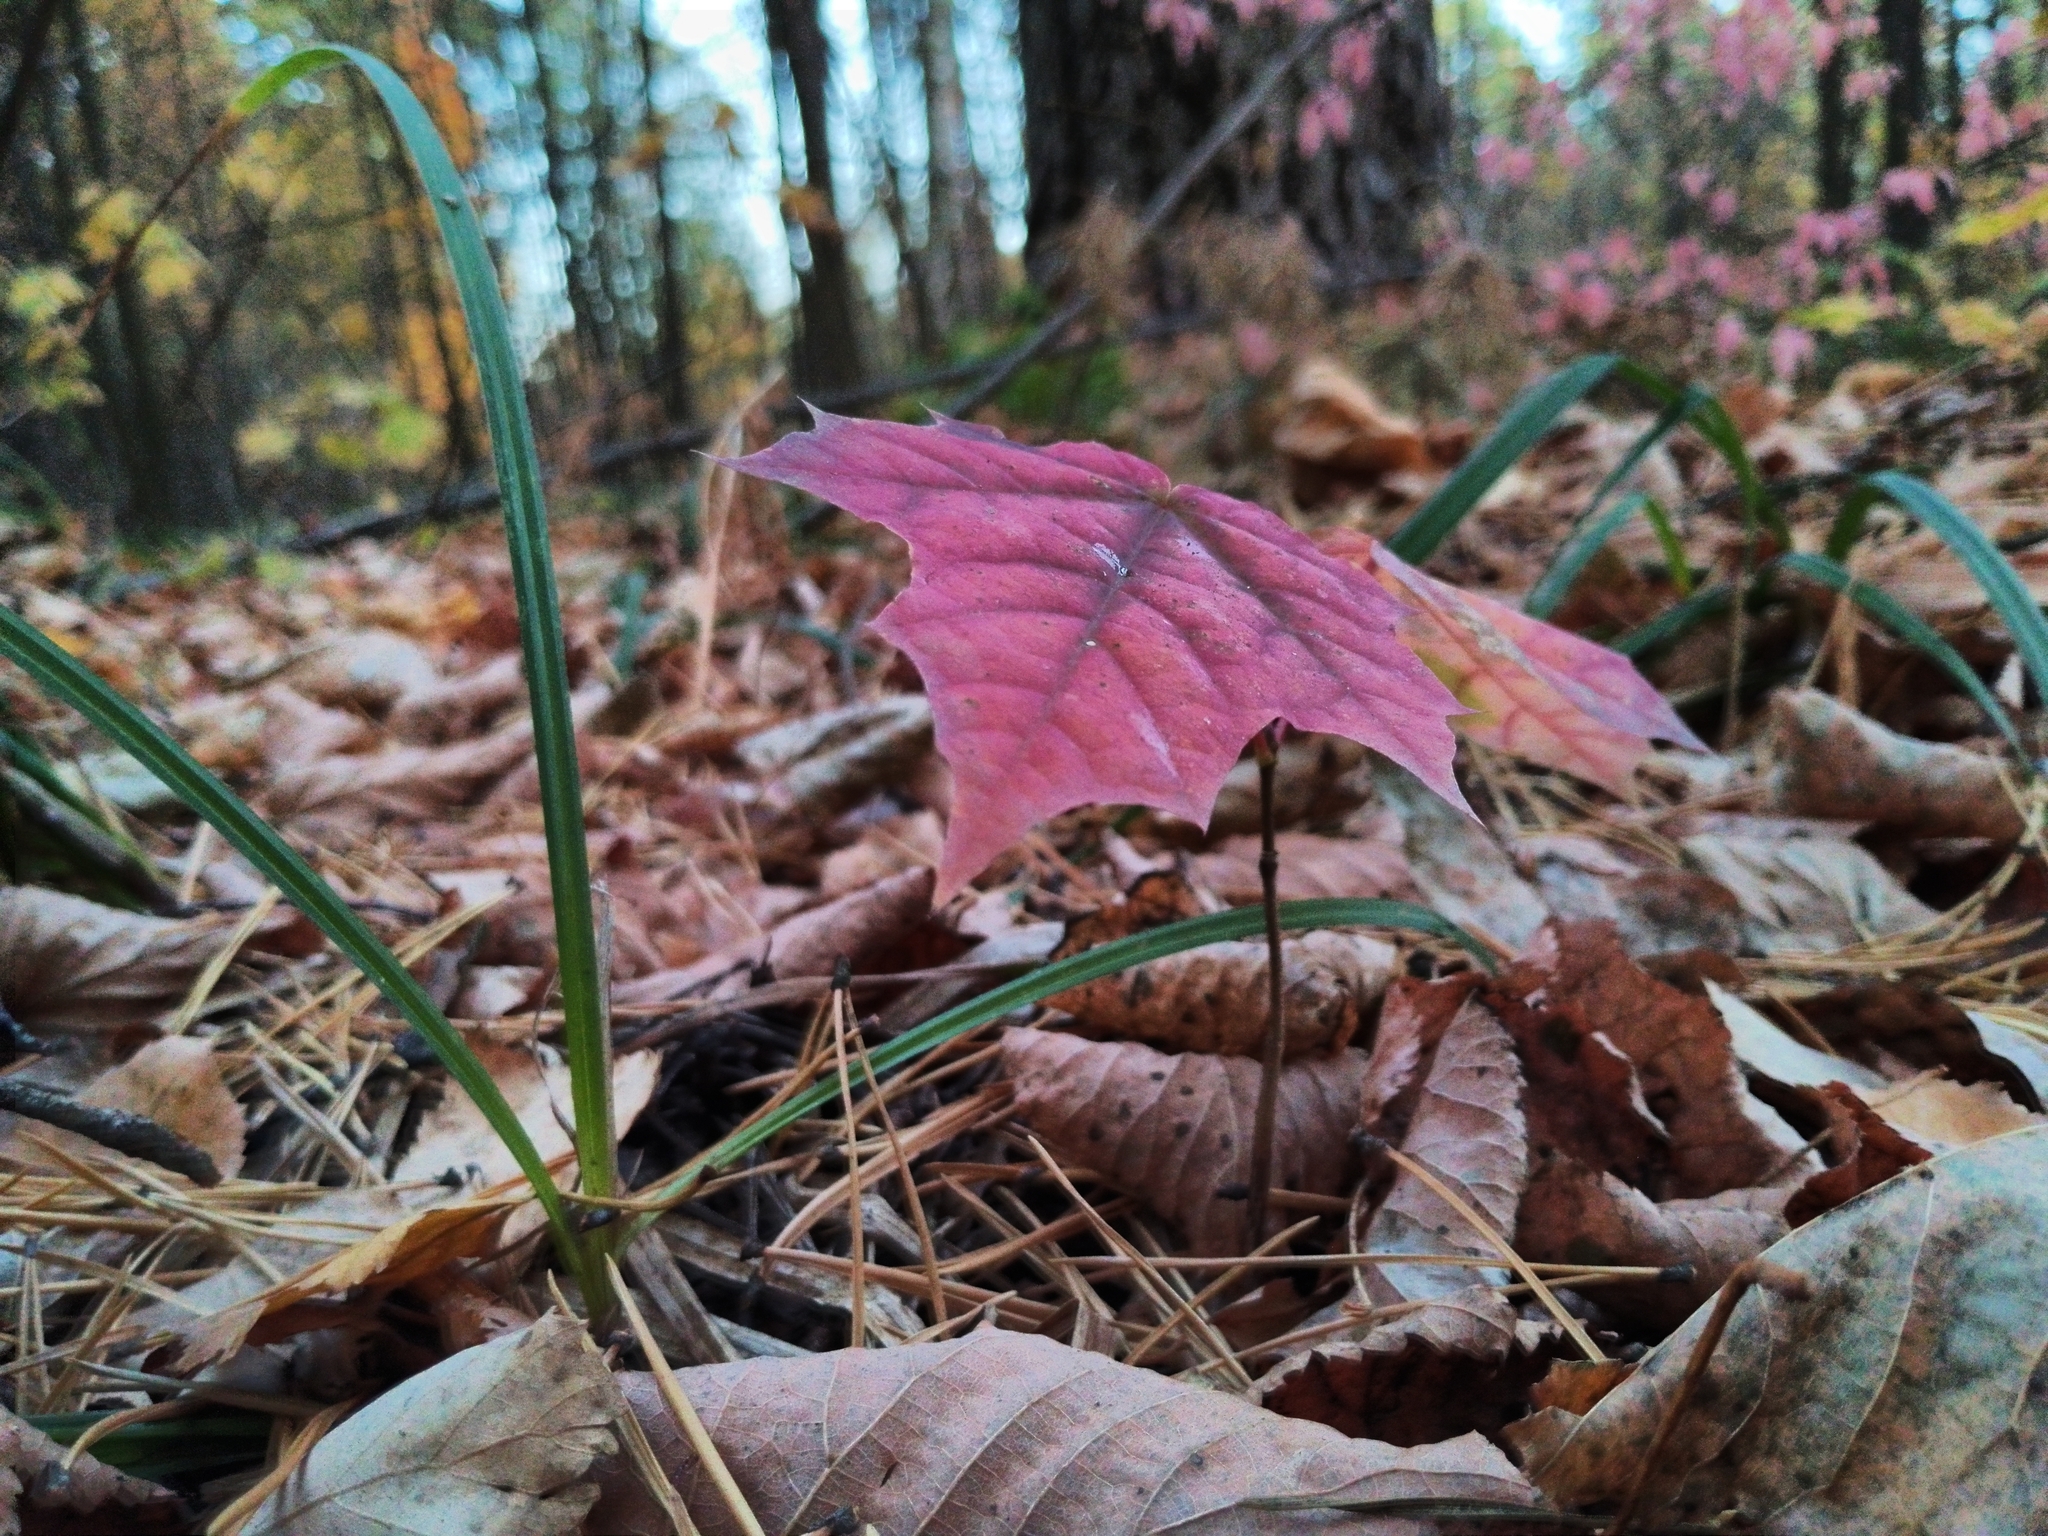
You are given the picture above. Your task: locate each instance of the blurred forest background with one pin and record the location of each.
(880, 196)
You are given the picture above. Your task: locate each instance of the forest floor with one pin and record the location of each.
(1762, 1024)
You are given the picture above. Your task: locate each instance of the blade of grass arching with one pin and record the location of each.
(1990, 569)
(1711, 420)
(1534, 413)
(1585, 542)
(533, 581)
(1848, 524)
(65, 677)
(1668, 540)
(1153, 944)
(1911, 628)
(1674, 621)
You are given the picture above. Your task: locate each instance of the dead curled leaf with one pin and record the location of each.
(72, 965)
(1904, 1395)
(496, 1438)
(1465, 1362)
(1214, 998)
(37, 1492)
(1829, 761)
(1172, 1130)
(1006, 1433)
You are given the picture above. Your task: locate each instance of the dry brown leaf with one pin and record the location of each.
(819, 766)
(1867, 1151)
(1464, 1363)
(1311, 867)
(1172, 1130)
(1468, 1129)
(450, 708)
(1657, 909)
(1214, 998)
(1903, 1395)
(1333, 422)
(367, 668)
(1458, 866)
(1803, 886)
(38, 1493)
(68, 964)
(1002, 1434)
(884, 848)
(1413, 1019)
(494, 1439)
(297, 730)
(1722, 1135)
(177, 1083)
(418, 1243)
(1829, 761)
(454, 1136)
(1573, 1214)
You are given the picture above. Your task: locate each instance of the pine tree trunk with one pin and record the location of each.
(1834, 170)
(672, 341)
(963, 242)
(1111, 110)
(1901, 29)
(827, 353)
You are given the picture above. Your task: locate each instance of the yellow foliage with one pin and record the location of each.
(1980, 323)
(39, 295)
(266, 440)
(351, 325)
(1840, 315)
(112, 220)
(1997, 223)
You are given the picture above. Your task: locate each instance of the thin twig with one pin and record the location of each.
(1574, 1330)
(1261, 1176)
(114, 1129)
(857, 1302)
(1790, 1284)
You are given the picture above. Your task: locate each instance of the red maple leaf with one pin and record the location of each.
(1089, 632)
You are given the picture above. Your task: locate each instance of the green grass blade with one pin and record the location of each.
(63, 676)
(1668, 540)
(1153, 944)
(533, 581)
(1674, 621)
(1711, 420)
(1533, 414)
(1994, 573)
(1585, 542)
(1848, 524)
(1911, 628)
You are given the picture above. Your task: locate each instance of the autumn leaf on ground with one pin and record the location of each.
(57, 1497)
(1540, 692)
(492, 1439)
(1903, 1395)
(1468, 1130)
(1089, 632)
(1175, 1129)
(1003, 1433)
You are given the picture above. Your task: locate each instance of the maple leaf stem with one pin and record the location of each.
(1263, 746)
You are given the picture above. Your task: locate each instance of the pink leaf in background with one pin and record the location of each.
(1540, 693)
(1090, 632)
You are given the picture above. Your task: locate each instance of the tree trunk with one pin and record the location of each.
(35, 36)
(1901, 29)
(576, 269)
(151, 513)
(1834, 171)
(962, 242)
(1110, 109)
(672, 335)
(827, 352)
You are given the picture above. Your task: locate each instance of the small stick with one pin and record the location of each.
(1503, 1247)
(926, 1250)
(1222, 1282)
(231, 1519)
(1261, 1177)
(1790, 1284)
(858, 1302)
(1199, 1329)
(114, 1129)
